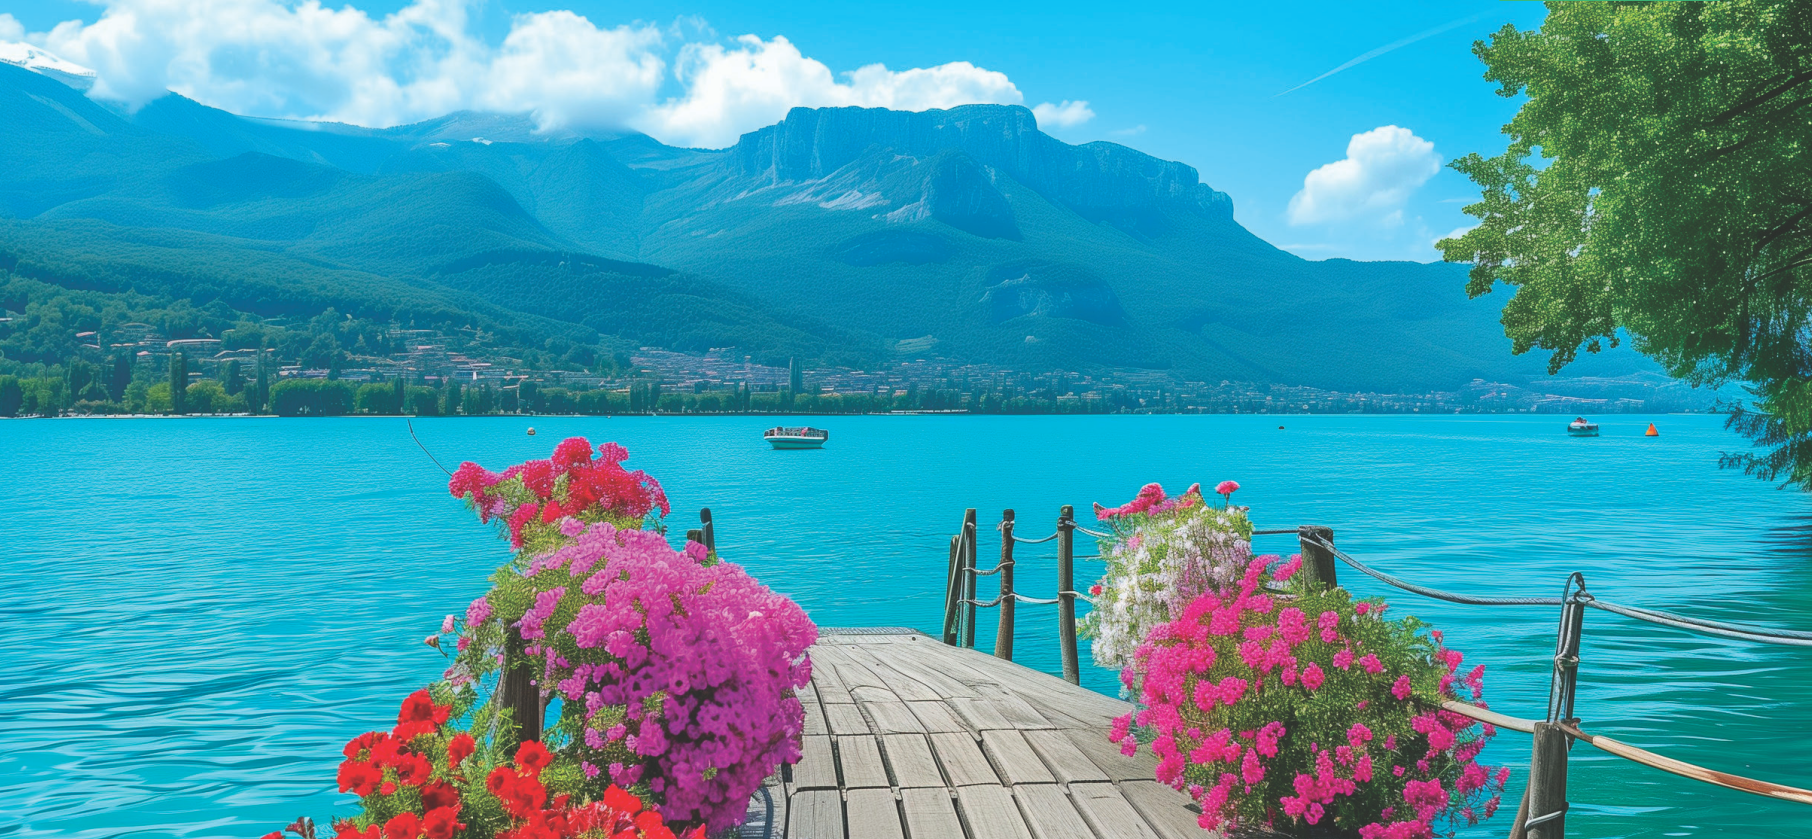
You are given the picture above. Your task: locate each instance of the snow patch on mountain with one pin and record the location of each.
(46, 64)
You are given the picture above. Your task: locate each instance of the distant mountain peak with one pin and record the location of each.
(46, 64)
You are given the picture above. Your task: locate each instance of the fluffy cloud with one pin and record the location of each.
(1381, 168)
(304, 60)
(1067, 115)
(732, 90)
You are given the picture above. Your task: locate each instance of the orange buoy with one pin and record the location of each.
(531, 431)
(1651, 432)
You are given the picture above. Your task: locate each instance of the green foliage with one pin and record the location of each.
(312, 398)
(1657, 181)
(12, 396)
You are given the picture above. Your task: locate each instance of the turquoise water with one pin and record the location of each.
(195, 614)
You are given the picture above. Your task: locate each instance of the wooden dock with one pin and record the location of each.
(908, 738)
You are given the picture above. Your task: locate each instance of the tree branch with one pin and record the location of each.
(1741, 107)
(1782, 229)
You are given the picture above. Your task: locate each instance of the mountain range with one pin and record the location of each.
(845, 236)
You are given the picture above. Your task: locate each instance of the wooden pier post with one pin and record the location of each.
(1546, 799)
(1547, 817)
(1003, 637)
(1317, 561)
(704, 520)
(520, 696)
(953, 590)
(969, 577)
(1066, 597)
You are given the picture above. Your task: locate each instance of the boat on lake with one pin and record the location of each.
(1580, 428)
(807, 437)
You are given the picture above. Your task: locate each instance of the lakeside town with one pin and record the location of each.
(454, 372)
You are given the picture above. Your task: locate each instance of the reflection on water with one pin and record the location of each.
(198, 613)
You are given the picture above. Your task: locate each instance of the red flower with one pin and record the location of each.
(442, 823)
(461, 748)
(272, 835)
(420, 707)
(622, 800)
(439, 794)
(345, 829)
(500, 780)
(362, 742)
(403, 826)
(572, 452)
(359, 778)
(550, 513)
(523, 796)
(518, 520)
(413, 770)
(533, 757)
(538, 476)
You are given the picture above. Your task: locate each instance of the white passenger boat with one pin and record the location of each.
(796, 438)
(1580, 428)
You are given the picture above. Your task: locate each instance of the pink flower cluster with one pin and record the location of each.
(1151, 501)
(700, 663)
(1238, 693)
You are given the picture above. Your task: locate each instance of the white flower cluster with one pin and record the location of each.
(1156, 566)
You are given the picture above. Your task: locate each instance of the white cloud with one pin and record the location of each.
(1129, 132)
(1381, 168)
(279, 58)
(1067, 115)
(733, 90)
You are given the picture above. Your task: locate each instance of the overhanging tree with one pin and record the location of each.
(1657, 181)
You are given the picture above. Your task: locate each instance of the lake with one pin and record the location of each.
(196, 614)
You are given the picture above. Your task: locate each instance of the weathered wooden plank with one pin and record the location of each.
(1106, 755)
(892, 718)
(1165, 809)
(851, 670)
(816, 768)
(1016, 710)
(980, 714)
(936, 716)
(1014, 759)
(860, 759)
(903, 685)
(925, 668)
(874, 813)
(814, 717)
(962, 760)
(825, 680)
(1049, 813)
(870, 693)
(845, 719)
(815, 814)
(1066, 761)
(909, 758)
(990, 813)
(1108, 812)
(930, 814)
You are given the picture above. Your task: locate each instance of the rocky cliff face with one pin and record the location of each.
(1101, 181)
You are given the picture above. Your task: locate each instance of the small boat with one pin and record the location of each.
(796, 438)
(1580, 428)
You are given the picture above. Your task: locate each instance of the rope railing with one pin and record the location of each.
(1762, 635)
(1542, 814)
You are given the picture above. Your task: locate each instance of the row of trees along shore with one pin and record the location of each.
(87, 388)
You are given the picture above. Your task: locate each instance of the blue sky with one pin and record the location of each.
(1199, 83)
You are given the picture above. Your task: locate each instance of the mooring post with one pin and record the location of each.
(520, 695)
(1547, 817)
(953, 590)
(1066, 596)
(1317, 561)
(704, 520)
(1003, 637)
(696, 535)
(1546, 814)
(969, 578)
